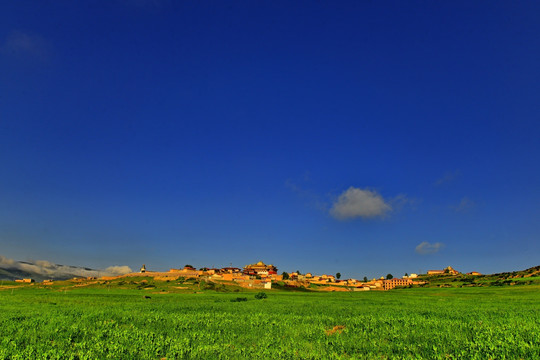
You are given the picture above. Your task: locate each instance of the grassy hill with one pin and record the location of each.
(148, 284)
(530, 276)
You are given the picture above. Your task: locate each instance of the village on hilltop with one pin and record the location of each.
(261, 276)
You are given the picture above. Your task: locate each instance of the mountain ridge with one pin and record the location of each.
(44, 270)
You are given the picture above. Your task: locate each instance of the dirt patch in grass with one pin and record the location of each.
(336, 329)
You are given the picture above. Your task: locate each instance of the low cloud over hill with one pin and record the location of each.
(39, 270)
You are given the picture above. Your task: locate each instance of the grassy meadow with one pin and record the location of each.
(104, 322)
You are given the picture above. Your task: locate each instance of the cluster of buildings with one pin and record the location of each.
(261, 275)
(451, 271)
(258, 275)
(25, 281)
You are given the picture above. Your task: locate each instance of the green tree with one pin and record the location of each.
(285, 275)
(298, 272)
(365, 278)
(389, 276)
(406, 274)
(338, 276)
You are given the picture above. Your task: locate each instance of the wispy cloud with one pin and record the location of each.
(426, 248)
(22, 44)
(448, 177)
(359, 203)
(402, 200)
(48, 269)
(464, 205)
(311, 198)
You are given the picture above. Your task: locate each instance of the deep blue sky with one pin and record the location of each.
(317, 136)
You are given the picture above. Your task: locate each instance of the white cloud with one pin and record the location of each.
(425, 248)
(313, 200)
(402, 200)
(117, 270)
(464, 205)
(363, 203)
(4, 261)
(448, 177)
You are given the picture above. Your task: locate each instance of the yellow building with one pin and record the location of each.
(449, 270)
(187, 271)
(260, 268)
(392, 283)
(25, 280)
(474, 273)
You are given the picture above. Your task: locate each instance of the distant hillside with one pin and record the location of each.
(533, 271)
(528, 276)
(14, 274)
(41, 270)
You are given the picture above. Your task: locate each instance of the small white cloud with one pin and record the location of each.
(448, 177)
(401, 201)
(464, 205)
(363, 203)
(425, 248)
(313, 200)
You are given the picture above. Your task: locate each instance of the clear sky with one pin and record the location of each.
(361, 137)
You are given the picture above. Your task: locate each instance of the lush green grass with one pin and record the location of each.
(101, 323)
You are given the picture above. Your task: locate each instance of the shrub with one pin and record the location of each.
(207, 285)
(239, 299)
(260, 295)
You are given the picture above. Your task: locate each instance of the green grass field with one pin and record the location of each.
(101, 323)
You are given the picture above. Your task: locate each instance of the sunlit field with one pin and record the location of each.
(101, 323)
